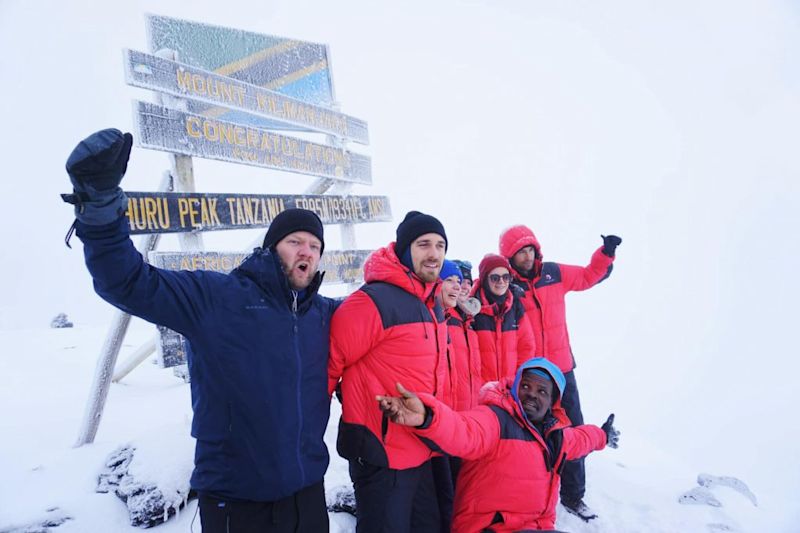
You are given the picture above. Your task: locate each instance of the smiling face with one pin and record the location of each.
(451, 291)
(427, 256)
(466, 287)
(299, 253)
(535, 393)
(498, 280)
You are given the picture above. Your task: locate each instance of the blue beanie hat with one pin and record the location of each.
(449, 268)
(541, 367)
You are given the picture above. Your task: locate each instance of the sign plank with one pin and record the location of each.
(171, 77)
(340, 267)
(172, 130)
(295, 68)
(173, 212)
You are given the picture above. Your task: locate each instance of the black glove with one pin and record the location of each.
(95, 168)
(610, 243)
(99, 161)
(612, 434)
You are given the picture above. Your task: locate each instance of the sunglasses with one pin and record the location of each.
(495, 278)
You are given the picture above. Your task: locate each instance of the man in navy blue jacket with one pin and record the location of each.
(259, 350)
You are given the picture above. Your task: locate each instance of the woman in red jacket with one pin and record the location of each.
(505, 338)
(514, 446)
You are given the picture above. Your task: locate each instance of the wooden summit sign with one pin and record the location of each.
(182, 80)
(172, 130)
(172, 212)
(339, 267)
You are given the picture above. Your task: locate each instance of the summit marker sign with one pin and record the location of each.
(182, 80)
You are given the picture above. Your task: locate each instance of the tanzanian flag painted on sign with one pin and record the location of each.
(295, 68)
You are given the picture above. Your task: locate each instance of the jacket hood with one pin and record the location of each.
(384, 265)
(514, 239)
(503, 394)
(265, 270)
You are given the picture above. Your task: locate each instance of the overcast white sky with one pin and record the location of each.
(671, 124)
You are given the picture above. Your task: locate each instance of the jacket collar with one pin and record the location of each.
(384, 265)
(264, 269)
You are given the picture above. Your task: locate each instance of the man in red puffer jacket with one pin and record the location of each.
(391, 329)
(544, 286)
(517, 440)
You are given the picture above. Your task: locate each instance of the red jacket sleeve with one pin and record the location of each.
(355, 328)
(580, 441)
(577, 278)
(466, 434)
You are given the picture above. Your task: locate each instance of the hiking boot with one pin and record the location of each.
(579, 509)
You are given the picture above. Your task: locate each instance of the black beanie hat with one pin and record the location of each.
(414, 225)
(293, 220)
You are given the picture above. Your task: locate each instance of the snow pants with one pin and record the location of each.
(573, 476)
(394, 501)
(445, 489)
(302, 512)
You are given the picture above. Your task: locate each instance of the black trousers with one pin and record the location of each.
(443, 481)
(573, 477)
(303, 512)
(394, 501)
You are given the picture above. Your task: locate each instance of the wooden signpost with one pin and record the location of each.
(178, 79)
(164, 212)
(179, 132)
(222, 94)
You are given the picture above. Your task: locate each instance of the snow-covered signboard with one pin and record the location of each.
(172, 130)
(182, 80)
(172, 212)
(294, 68)
(339, 266)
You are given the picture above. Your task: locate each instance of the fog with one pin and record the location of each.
(673, 125)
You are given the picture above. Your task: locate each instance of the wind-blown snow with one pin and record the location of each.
(672, 124)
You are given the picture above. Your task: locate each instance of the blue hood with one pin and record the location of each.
(546, 366)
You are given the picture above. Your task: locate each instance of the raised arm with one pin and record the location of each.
(577, 278)
(121, 277)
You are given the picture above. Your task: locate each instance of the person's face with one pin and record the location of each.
(427, 256)
(466, 287)
(451, 289)
(536, 396)
(299, 253)
(524, 258)
(498, 279)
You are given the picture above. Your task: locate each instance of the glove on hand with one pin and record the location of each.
(95, 168)
(610, 244)
(612, 434)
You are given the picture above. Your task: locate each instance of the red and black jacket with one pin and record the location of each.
(510, 477)
(390, 330)
(505, 337)
(465, 359)
(545, 309)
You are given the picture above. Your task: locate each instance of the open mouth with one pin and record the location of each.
(303, 267)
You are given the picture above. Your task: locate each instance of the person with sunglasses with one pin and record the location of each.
(544, 286)
(505, 338)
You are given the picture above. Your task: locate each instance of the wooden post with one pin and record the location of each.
(110, 351)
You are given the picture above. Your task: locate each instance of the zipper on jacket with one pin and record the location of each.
(299, 374)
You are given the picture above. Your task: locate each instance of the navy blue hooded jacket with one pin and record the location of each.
(258, 369)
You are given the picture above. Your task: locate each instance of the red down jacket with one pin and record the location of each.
(465, 359)
(390, 330)
(510, 477)
(543, 296)
(505, 338)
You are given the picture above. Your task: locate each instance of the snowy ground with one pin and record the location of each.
(46, 374)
